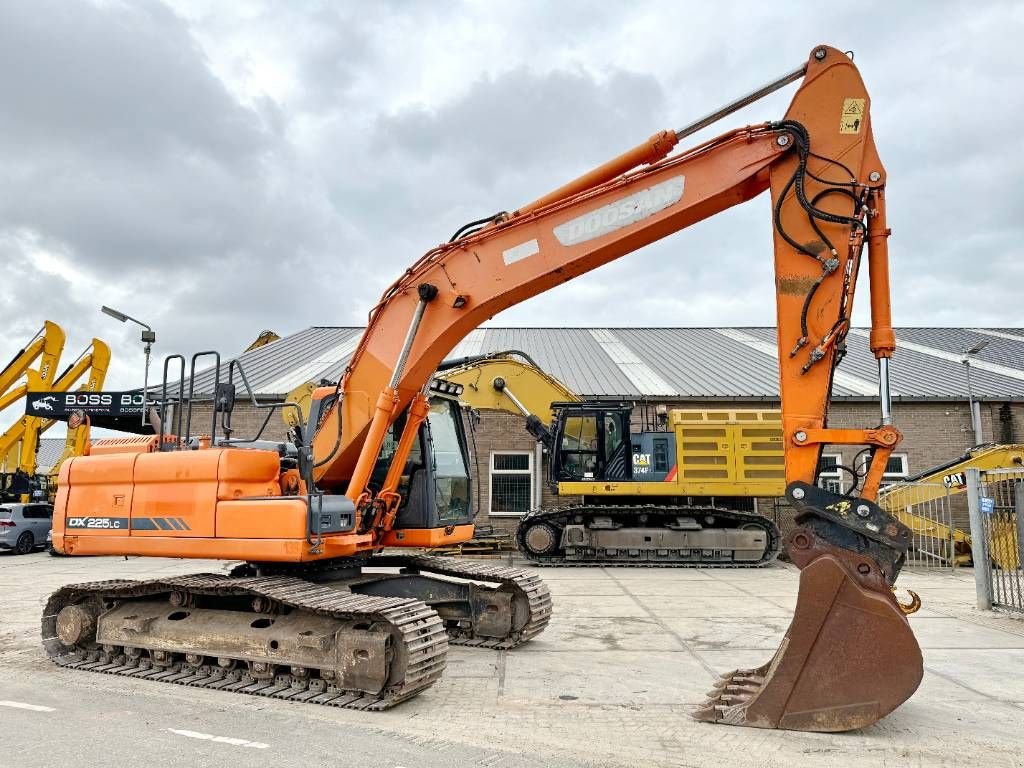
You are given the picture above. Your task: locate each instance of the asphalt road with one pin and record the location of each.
(75, 724)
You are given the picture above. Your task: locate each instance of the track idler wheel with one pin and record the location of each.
(541, 538)
(848, 658)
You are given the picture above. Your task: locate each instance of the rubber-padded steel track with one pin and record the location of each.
(416, 626)
(559, 516)
(525, 584)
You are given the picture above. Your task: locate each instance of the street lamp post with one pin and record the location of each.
(974, 405)
(148, 338)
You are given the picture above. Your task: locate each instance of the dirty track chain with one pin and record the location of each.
(419, 628)
(771, 551)
(527, 584)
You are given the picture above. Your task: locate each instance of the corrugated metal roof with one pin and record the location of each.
(50, 449)
(678, 363)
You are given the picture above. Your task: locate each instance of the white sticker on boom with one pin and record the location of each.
(621, 213)
(520, 252)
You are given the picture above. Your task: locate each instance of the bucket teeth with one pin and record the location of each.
(706, 713)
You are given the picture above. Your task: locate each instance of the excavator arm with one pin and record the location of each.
(827, 186)
(849, 656)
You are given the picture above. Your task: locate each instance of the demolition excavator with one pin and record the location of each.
(381, 463)
(681, 491)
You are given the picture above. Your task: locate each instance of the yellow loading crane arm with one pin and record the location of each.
(46, 347)
(77, 441)
(28, 429)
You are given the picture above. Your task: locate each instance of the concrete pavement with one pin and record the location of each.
(610, 683)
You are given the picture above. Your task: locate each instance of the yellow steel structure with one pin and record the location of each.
(951, 478)
(496, 383)
(46, 347)
(21, 440)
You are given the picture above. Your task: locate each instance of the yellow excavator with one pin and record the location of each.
(683, 495)
(20, 442)
(40, 357)
(947, 479)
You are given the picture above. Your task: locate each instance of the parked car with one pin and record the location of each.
(23, 527)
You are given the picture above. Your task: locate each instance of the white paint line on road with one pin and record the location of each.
(220, 739)
(30, 707)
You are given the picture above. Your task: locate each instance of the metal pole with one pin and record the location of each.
(741, 102)
(884, 393)
(145, 384)
(970, 401)
(538, 457)
(948, 520)
(979, 542)
(1019, 509)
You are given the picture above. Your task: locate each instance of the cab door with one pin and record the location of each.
(592, 445)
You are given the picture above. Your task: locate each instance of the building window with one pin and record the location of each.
(830, 476)
(511, 475)
(897, 468)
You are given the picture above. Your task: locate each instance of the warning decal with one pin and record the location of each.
(853, 115)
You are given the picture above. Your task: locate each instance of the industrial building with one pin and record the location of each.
(689, 368)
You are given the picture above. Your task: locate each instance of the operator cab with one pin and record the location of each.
(434, 485)
(591, 442)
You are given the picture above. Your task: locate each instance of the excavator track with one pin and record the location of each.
(397, 645)
(501, 617)
(653, 556)
(529, 592)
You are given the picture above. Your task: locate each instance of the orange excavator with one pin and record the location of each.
(320, 612)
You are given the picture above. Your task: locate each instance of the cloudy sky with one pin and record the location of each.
(217, 168)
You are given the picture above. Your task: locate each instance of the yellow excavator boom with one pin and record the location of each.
(46, 347)
(26, 432)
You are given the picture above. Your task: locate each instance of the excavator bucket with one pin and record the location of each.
(848, 658)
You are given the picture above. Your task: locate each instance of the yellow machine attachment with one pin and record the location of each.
(265, 337)
(20, 442)
(901, 499)
(509, 381)
(46, 347)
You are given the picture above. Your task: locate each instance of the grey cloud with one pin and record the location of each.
(124, 80)
(521, 121)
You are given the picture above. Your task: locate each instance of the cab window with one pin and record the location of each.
(580, 446)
